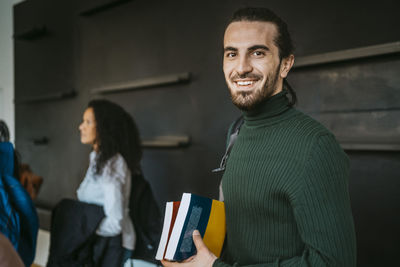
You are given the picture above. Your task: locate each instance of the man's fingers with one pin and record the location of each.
(166, 263)
(200, 246)
(198, 241)
(189, 259)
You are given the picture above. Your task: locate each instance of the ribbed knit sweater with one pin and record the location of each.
(286, 192)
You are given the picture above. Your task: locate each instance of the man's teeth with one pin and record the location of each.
(245, 83)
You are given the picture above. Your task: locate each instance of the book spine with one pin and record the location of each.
(197, 218)
(165, 231)
(216, 228)
(177, 229)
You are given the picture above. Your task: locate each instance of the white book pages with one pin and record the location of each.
(178, 226)
(169, 206)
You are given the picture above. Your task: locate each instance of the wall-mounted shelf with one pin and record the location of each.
(348, 54)
(41, 141)
(166, 142)
(369, 146)
(102, 7)
(144, 83)
(49, 97)
(31, 34)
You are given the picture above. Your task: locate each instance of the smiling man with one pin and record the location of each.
(285, 185)
(253, 68)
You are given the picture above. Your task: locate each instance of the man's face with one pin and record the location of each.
(251, 62)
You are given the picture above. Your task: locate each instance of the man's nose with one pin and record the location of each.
(244, 66)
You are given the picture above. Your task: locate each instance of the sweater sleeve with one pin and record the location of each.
(322, 210)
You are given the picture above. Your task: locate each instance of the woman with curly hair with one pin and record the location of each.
(116, 155)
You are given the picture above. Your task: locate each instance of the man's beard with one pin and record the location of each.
(249, 100)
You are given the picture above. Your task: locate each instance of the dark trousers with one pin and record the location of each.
(108, 251)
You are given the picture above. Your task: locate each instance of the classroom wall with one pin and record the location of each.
(66, 50)
(7, 65)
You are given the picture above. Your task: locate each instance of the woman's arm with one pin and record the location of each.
(113, 181)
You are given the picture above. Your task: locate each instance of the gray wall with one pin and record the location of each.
(7, 66)
(358, 100)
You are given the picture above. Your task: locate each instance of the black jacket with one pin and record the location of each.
(73, 231)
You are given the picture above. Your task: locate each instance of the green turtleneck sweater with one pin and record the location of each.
(286, 193)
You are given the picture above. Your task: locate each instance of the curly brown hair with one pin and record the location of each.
(116, 133)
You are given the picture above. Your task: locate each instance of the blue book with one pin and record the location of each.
(196, 213)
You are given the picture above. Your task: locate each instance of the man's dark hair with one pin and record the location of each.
(116, 133)
(283, 40)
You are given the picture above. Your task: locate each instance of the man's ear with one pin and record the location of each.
(286, 65)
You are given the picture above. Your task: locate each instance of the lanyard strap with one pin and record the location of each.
(232, 139)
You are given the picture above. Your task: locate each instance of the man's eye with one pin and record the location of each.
(258, 53)
(230, 54)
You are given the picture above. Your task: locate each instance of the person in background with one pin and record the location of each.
(29, 180)
(4, 132)
(116, 154)
(18, 218)
(285, 184)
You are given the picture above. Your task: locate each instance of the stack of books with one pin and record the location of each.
(181, 218)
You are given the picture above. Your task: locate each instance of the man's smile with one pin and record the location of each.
(245, 84)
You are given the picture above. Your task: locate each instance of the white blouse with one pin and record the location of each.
(110, 189)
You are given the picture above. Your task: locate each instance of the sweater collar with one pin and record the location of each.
(268, 111)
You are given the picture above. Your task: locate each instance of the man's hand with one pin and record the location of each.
(203, 258)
